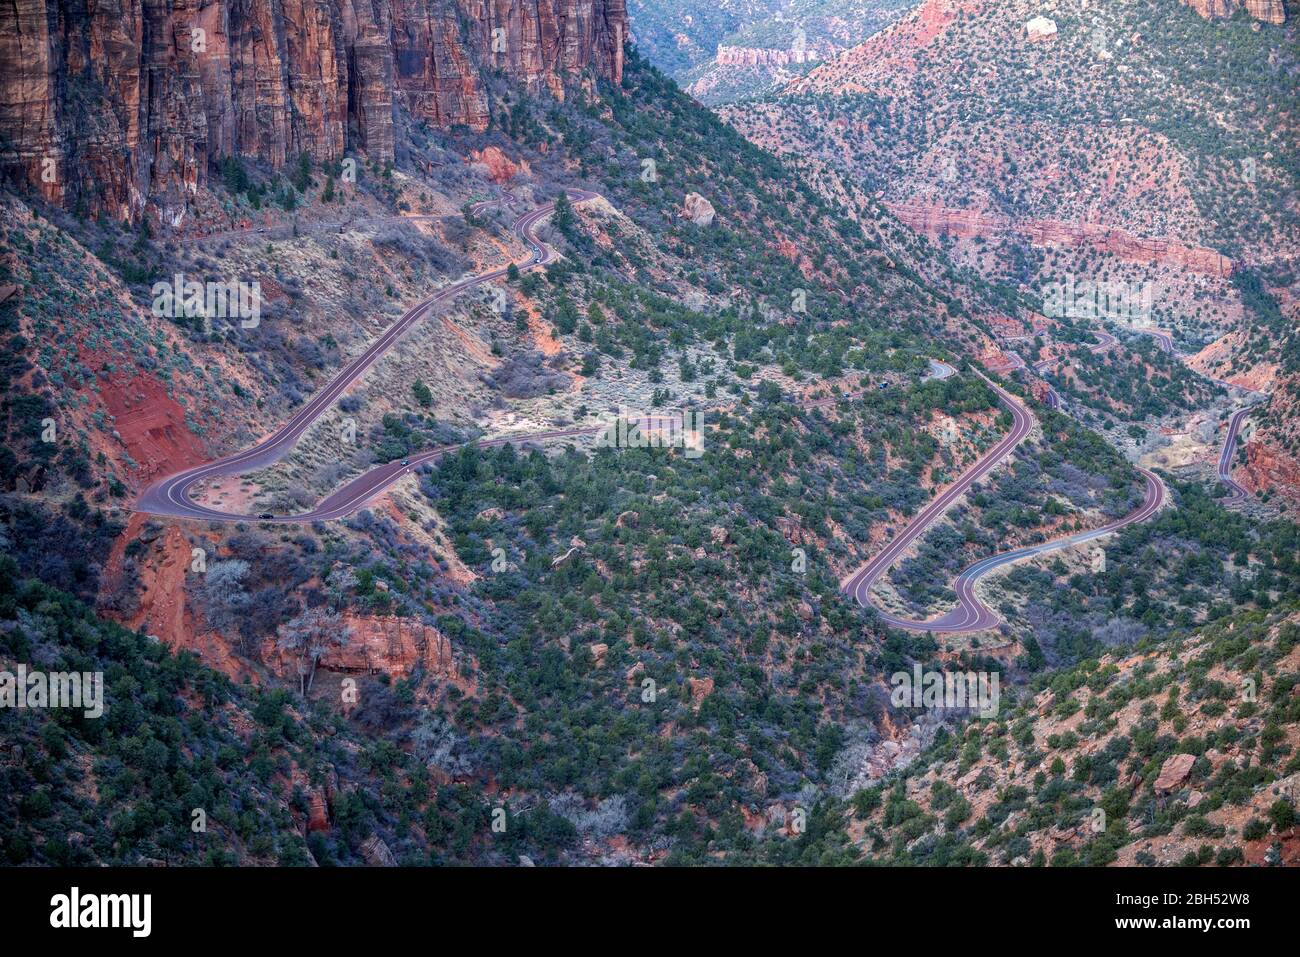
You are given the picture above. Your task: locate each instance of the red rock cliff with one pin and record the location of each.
(1270, 11)
(122, 103)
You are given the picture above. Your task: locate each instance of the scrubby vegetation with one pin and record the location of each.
(1076, 775)
(640, 654)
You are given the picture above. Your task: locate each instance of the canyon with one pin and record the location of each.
(627, 656)
(966, 127)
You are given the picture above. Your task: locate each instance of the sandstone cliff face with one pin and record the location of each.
(389, 645)
(1271, 461)
(126, 103)
(1269, 11)
(752, 56)
(1270, 469)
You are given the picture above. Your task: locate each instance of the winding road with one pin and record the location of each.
(171, 496)
(1235, 491)
(1163, 339)
(971, 614)
(1053, 398)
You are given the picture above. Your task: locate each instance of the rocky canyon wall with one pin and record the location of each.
(117, 104)
(1269, 11)
(752, 56)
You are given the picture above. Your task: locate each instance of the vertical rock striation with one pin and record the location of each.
(118, 104)
(1269, 11)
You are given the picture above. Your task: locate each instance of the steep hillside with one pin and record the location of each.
(719, 282)
(181, 766)
(721, 52)
(1137, 145)
(552, 633)
(1177, 754)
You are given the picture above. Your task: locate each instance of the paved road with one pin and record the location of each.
(939, 371)
(171, 495)
(1163, 338)
(971, 614)
(859, 584)
(1053, 398)
(1235, 491)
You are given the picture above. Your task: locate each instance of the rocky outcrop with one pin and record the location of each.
(376, 853)
(1174, 772)
(1040, 29)
(500, 168)
(698, 210)
(128, 105)
(1269, 11)
(320, 798)
(756, 56)
(1269, 469)
(395, 646)
(700, 689)
(149, 425)
(318, 815)
(969, 223)
(389, 645)
(542, 40)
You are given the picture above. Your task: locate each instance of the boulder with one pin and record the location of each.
(701, 688)
(576, 547)
(1041, 28)
(376, 852)
(500, 168)
(698, 210)
(1174, 772)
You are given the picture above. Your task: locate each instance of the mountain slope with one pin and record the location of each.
(534, 649)
(457, 663)
(1175, 755)
(1139, 143)
(721, 52)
